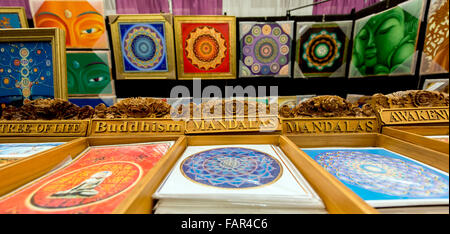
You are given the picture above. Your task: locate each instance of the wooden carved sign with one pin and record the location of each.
(404, 116)
(109, 127)
(233, 124)
(330, 125)
(44, 128)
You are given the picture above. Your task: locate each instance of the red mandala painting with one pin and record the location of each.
(96, 183)
(206, 48)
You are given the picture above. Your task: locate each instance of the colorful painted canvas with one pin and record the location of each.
(266, 49)
(82, 21)
(26, 72)
(94, 183)
(9, 20)
(322, 49)
(13, 17)
(143, 46)
(89, 73)
(435, 56)
(206, 46)
(385, 43)
(19, 150)
(384, 178)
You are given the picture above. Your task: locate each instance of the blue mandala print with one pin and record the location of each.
(386, 175)
(232, 167)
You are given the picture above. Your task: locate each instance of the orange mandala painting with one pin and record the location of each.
(206, 48)
(96, 183)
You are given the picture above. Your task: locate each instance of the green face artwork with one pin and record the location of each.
(386, 43)
(88, 73)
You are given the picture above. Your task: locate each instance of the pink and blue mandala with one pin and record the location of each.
(232, 167)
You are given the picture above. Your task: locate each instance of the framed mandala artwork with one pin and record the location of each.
(245, 172)
(13, 17)
(265, 49)
(385, 44)
(32, 65)
(384, 178)
(82, 21)
(435, 56)
(206, 47)
(96, 182)
(321, 49)
(143, 46)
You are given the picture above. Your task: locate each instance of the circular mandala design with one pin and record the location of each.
(284, 39)
(283, 60)
(24, 52)
(256, 68)
(232, 167)
(265, 70)
(143, 47)
(248, 60)
(256, 31)
(382, 174)
(266, 29)
(205, 48)
(321, 50)
(275, 67)
(247, 50)
(249, 39)
(284, 50)
(266, 50)
(276, 31)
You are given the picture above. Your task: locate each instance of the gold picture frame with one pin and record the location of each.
(56, 38)
(204, 20)
(158, 72)
(20, 11)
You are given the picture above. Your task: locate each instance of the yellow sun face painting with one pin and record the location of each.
(206, 47)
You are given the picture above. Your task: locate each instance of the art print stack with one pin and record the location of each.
(233, 179)
(12, 152)
(391, 182)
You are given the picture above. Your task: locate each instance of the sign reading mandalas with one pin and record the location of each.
(206, 46)
(435, 57)
(265, 49)
(385, 43)
(384, 178)
(232, 167)
(82, 21)
(144, 46)
(321, 49)
(13, 17)
(97, 182)
(89, 73)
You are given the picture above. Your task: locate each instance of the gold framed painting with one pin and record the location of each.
(32, 65)
(143, 46)
(206, 47)
(13, 17)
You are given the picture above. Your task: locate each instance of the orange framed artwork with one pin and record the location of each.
(82, 20)
(206, 47)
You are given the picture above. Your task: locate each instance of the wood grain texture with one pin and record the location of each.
(335, 140)
(417, 137)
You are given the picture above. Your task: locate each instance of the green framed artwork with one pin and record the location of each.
(385, 44)
(89, 73)
(13, 17)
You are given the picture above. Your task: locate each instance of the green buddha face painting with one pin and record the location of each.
(88, 73)
(385, 43)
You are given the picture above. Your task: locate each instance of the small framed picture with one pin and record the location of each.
(89, 73)
(13, 17)
(32, 65)
(143, 46)
(206, 47)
